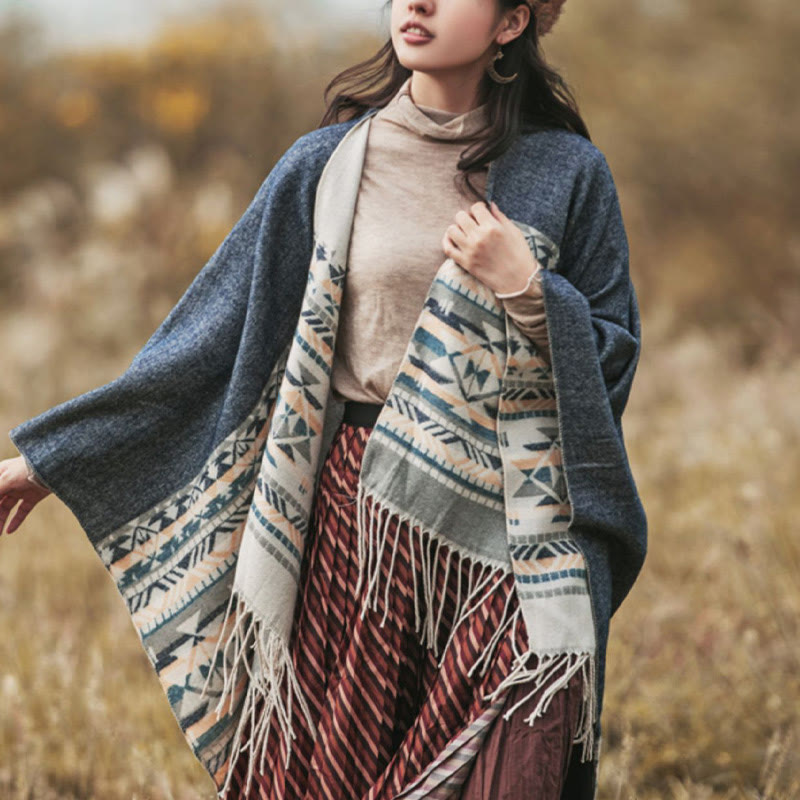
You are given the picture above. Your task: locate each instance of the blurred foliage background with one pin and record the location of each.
(123, 168)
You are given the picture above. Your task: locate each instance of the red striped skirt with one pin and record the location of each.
(389, 718)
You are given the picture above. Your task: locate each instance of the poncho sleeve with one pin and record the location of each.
(594, 277)
(595, 330)
(118, 449)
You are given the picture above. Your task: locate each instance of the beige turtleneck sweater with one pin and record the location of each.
(406, 199)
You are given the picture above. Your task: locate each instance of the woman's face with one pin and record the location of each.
(462, 33)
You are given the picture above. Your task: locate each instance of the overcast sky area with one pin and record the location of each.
(78, 23)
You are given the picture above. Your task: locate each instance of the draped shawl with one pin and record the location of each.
(193, 473)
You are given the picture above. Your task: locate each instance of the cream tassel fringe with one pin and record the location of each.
(543, 674)
(371, 545)
(375, 540)
(264, 679)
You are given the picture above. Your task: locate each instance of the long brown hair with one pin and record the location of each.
(538, 99)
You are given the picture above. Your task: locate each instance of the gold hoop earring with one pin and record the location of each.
(494, 74)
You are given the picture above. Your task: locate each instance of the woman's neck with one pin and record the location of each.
(454, 94)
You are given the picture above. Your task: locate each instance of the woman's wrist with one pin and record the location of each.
(533, 277)
(35, 481)
(31, 474)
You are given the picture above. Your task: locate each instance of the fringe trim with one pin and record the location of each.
(546, 674)
(371, 545)
(370, 554)
(273, 662)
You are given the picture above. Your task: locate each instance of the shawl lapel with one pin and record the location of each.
(466, 451)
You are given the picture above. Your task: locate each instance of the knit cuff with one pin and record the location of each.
(32, 476)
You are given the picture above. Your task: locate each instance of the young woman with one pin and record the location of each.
(389, 711)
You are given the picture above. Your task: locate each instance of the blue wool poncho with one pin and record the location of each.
(193, 473)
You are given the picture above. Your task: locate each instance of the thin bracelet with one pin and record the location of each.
(527, 285)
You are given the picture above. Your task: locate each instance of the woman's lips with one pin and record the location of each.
(412, 37)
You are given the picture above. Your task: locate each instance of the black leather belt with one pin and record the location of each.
(359, 413)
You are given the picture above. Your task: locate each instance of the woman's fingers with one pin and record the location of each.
(452, 243)
(483, 214)
(465, 221)
(26, 498)
(23, 509)
(7, 501)
(483, 241)
(497, 213)
(456, 236)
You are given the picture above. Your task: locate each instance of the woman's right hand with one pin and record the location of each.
(15, 486)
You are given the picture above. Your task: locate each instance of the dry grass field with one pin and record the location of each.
(129, 167)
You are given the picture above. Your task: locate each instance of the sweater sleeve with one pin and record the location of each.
(595, 258)
(527, 311)
(595, 327)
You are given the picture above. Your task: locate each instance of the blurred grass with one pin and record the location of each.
(123, 169)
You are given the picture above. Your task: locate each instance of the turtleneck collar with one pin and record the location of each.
(434, 123)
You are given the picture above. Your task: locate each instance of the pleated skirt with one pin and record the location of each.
(390, 721)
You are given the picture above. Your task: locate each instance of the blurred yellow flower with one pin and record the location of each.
(176, 109)
(75, 108)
